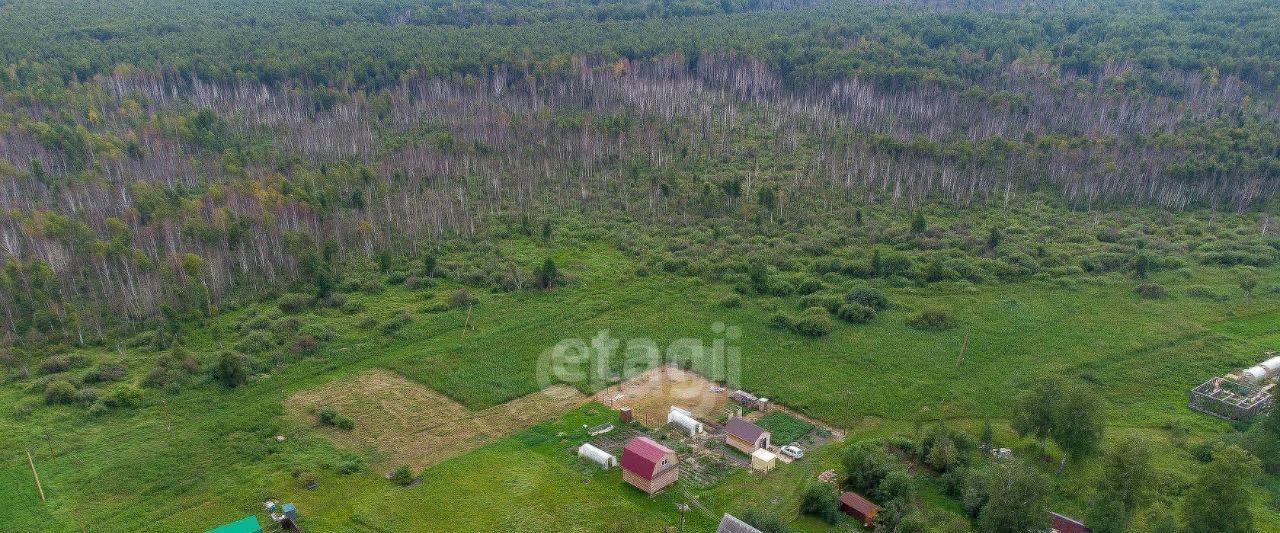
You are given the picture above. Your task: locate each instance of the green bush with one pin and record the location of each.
(1151, 290)
(855, 313)
(868, 296)
(59, 391)
(815, 322)
(820, 500)
(402, 477)
(106, 371)
(256, 342)
(352, 307)
(231, 369)
(932, 319)
(1201, 291)
(294, 302)
(830, 302)
(781, 320)
(23, 408)
(731, 302)
(55, 364)
(330, 417)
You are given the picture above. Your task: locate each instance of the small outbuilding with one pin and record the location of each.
(853, 504)
(649, 466)
(685, 421)
(248, 524)
(600, 457)
(763, 460)
(1062, 524)
(732, 524)
(745, 436)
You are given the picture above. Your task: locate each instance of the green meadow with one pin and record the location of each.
(192, 458)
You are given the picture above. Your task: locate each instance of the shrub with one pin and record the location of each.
(54, 364)
(826, 301)
(86, 396)
(98, 408)
(23, 408)
(402, 476)
(1200, 291)
(349, 466)
(59, 391)
(319, 332)
(765, 521)
(330, 417)
(932, 319)
(1151, 290)
(462, 298)
(256, 342)
(781, 320)
(106, 371)
(294, 302)
(808, 286)
(304, 344)
(868, 296)
(231, 369)
(732, 301)
(855, 313)
(820, 500)
(814, 322)
(352, 307)
(393, 324)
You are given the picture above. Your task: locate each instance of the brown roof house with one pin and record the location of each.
(648, 466)
(853, 504)
(1062, 524)
(745, 436)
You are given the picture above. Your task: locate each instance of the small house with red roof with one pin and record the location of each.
(649, 466)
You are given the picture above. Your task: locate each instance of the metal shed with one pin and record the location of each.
(591, 453)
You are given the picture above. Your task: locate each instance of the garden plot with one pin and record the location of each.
(409, 424)
(651, 394)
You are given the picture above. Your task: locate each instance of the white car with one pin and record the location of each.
(792, 451)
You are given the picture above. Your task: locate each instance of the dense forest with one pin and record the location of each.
(174, 156)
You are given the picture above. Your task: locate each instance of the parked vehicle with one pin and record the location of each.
(792, 451)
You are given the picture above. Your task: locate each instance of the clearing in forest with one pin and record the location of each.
(409, 424)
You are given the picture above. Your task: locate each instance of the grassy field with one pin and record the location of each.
(208, 454)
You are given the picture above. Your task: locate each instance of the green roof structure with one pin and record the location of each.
(248, 524)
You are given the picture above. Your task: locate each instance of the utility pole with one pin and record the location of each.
(683, 507)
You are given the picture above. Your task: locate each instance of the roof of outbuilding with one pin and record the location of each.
(858, 503)
(641, 456)
(744, 429)
(1062, 524)
(732, 524)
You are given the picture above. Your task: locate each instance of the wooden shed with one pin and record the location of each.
(745, 436)
(763, 460)
(853, 504)
(649, 466)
